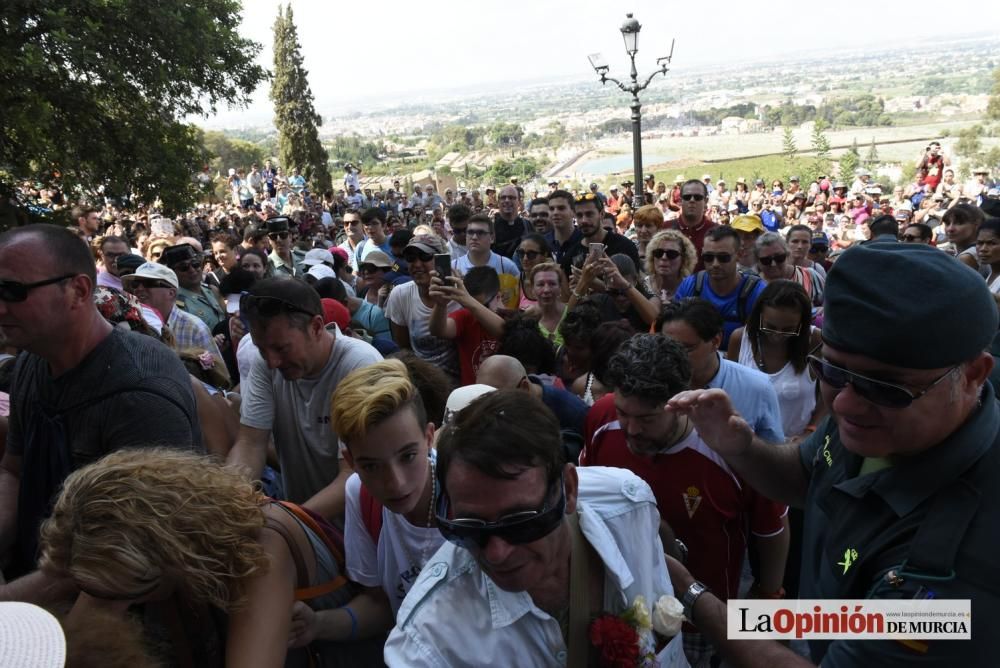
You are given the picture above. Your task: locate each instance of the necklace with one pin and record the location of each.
(427, 542)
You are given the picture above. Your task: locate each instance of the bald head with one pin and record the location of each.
(501, 371)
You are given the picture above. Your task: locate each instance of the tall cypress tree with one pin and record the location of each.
(294, 115)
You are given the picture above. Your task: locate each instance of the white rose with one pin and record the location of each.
(668, 616)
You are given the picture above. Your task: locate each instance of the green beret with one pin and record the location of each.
(907, 305)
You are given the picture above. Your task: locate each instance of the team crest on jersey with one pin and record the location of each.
(692, 499)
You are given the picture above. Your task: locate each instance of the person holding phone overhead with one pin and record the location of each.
(479, 235)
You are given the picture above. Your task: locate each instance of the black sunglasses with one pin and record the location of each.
(269, 306)
(278, 235)
(187, 265)
(721, 258)
(878, 392)
(669, 252)
(13, 291)
(148, 283)
(414, 255)
(530, 254)
(516, 529)
(773, 259)
(819, 249)
(691, 197)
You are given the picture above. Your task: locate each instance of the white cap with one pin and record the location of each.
(321, 271)
(154, 271)
(318, 256)
(463, 396)
(30, 636)
(706, 177)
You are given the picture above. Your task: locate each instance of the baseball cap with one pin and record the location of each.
(428, 243)
(902, 214)
(706, 177)
(154, 271)
(318, 256)
(794, 179)
(321, 271)
(820, 239)
(377, 259)
(462, 397)
(128, 263)
(759, 182)
(335, 312)
(614, 189)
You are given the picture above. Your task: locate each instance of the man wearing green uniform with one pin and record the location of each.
(899, 483)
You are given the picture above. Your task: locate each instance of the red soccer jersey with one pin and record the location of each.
(706, 504)
(473, 344)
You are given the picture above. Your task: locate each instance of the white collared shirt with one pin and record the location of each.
(456, 616)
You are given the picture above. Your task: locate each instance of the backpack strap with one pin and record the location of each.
(371, 514)
(307, 518)
(699, 283)
(301, 572)
(749, 284)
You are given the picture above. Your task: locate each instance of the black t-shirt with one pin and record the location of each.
(508, 235)
(576, 255)
(610, 312)
(130, 391)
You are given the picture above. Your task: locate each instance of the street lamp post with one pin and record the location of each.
(630, 33)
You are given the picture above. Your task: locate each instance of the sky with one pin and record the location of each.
(358, 53)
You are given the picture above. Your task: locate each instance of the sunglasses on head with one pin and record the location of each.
(878, 392)
(586, 197)
(692, 197)
(515, 529)
(273, 236)
(670, 253)
(13, 291)
(721, 258)
(770, 260)
(269, 307)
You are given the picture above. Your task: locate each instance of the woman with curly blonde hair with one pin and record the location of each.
(178, 533)
(670, 258)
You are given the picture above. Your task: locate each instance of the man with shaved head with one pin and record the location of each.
(508, 226)
(507, 373)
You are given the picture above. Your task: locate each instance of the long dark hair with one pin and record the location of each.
(787, 295)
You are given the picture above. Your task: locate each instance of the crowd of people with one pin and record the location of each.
(373, 428)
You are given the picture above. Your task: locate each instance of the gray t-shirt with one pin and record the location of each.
(297, 413)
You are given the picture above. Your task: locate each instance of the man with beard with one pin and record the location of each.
(287, 393)
(693, 221)
(508, 227)
(588, 210)
(701, 502)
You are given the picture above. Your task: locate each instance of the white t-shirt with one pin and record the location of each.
(406, 309)
(401, 553)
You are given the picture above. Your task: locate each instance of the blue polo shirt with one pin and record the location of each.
(753, 396)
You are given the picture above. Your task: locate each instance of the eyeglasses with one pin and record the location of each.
(690, 197)
(911, 238)
(670, 253)
(274, 236)
(777, 333)
(530, 254)
(268, 306)
(516, 528)
(721, 258)
(540, 214)
(770, 260)
(13, 291)
(878, 392)
(412, 255)
(148, 283)
(477, 233)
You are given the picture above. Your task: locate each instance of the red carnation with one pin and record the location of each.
(617, 641)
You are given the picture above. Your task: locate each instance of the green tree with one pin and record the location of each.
(871, 158)
(993, 106)
(96, 91)
(294, 115)
(224, 152)
(788, 145)
(821, 147)
(849, 162)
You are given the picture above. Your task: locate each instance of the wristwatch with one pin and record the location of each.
(689, 598)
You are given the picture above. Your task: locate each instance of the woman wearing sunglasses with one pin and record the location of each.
(776, 340)
(532, 251)
(670, 258)
(774, 264)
